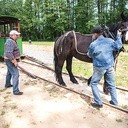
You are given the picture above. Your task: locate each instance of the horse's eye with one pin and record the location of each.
(123, 25)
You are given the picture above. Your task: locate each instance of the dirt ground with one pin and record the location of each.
(44, 105)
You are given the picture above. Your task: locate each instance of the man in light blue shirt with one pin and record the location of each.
(101, 51)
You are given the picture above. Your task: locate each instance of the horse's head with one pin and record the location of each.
(122, 25)
(111, 31)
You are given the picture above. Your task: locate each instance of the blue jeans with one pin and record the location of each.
(96, 77)
(12, 73)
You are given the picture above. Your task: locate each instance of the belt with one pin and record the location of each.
(6, 57)
(18, 59)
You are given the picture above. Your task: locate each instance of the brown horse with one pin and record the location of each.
(74, 44)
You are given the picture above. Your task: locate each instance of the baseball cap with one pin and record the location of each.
(97, 29)
(14, 32)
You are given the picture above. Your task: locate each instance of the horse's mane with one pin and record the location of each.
(83, 34)
(114, 27)
(78, 33)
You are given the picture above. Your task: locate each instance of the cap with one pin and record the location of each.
(97, 29)
(14, 32)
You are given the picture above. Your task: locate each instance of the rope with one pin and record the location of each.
(76, 44)
(58, 41)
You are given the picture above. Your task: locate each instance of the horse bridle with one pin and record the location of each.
(107, 33)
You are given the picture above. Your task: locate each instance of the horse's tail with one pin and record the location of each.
(58, 51)
(55, 62)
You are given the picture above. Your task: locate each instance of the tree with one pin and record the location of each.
(47, 19)
(85, 14)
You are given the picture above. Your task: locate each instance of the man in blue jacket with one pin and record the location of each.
(101, 51)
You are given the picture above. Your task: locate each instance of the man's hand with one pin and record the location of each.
(15, 62)
(119, 32)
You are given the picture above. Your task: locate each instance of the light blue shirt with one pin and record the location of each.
(101, 51)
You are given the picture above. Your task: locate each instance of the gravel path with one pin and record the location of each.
(43, 54)
(47, 106)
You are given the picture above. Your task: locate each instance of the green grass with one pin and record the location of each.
(122, 68)
(81, 68)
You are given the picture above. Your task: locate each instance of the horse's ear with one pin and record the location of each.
(124, 18)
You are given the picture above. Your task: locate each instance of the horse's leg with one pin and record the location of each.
(69, 69)
(105, 86)
(89, 80)
(58, 71)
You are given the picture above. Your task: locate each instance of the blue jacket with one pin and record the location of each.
(101, 51)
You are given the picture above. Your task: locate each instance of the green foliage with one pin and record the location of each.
(85, 16)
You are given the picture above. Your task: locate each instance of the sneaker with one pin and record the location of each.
(96, 105)
(19, 93)
(8, 86)
(111, 102)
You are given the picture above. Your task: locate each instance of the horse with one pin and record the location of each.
(74, 44)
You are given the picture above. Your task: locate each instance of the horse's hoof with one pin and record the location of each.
(106, 91)
(62, 84)
(74, 81)
(88, 81)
